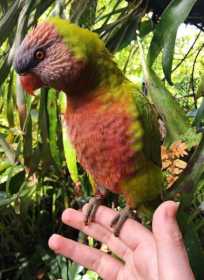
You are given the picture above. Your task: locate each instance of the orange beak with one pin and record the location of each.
(30, 82)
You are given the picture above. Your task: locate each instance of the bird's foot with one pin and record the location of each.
(120, 219)
(93, 205)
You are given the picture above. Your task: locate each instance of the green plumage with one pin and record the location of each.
(82, 42)
(149, 186)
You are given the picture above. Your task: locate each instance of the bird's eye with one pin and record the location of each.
(39, 55)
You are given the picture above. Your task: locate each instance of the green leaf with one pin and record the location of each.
(41, 7)
(10, 105)
(188, 181)
(90, 275)
(54, 132)
(27, 140)
(4, 201)
(168, 54)
(145, 27)
(23, 103)
(43, 126)
(74, 270)
(192, 243)
(199, 118)
(24, 191)
(70, 155)
(4, 165)
(165, 33)
(83, 12)
(69, 151)
(176, 122)
(20, 102)
(21, 27)
(10, 172)
(122, 34)
(201, 85)
(8, 21)
(4, 71)
(8, 150)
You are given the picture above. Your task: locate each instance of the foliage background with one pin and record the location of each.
(39, 175)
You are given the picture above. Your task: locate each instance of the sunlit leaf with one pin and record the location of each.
(4, 165)
(10, 172)
(10, 105)
(201, 86)
(176, 122)
(43, 127)
(122, 34)
(165, 33)
(145, 27)
(83, 12)
(54, 132)
(70, 155)
(199, 118)
(8, 21)
(4, 70)
(21, 27)
(8, 150)
(69, 151)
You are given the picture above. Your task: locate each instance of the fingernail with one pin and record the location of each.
(172, 209)
(177, 204)
(52, 242)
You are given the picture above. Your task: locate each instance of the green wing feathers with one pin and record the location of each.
(147, 183)
(149, 120)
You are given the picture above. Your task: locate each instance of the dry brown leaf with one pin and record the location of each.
(162, 128)
(171, 161)
(166, 164)
(164, 153)
(78, 188)
(179, 149)
(174, 170)
(171, 179)
(180, 163)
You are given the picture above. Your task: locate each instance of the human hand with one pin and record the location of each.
(159, 254)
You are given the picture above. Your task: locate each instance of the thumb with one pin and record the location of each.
(173, 260)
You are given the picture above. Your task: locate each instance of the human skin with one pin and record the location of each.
(156, 254)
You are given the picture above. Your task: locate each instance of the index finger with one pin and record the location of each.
(105, 265)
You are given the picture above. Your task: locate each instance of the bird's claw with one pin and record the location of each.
(120, 219)
(93, 205)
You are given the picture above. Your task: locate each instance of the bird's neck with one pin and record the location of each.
(107, 72)
(101, 73)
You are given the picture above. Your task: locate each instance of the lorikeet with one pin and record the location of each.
(112, 126)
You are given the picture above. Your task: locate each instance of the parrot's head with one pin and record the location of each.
(56, 54)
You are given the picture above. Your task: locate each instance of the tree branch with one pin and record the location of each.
(192, 75)
(186, 55)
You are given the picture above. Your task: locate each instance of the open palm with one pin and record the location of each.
(142, 254)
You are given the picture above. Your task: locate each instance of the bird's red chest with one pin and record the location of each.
(102, 139)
